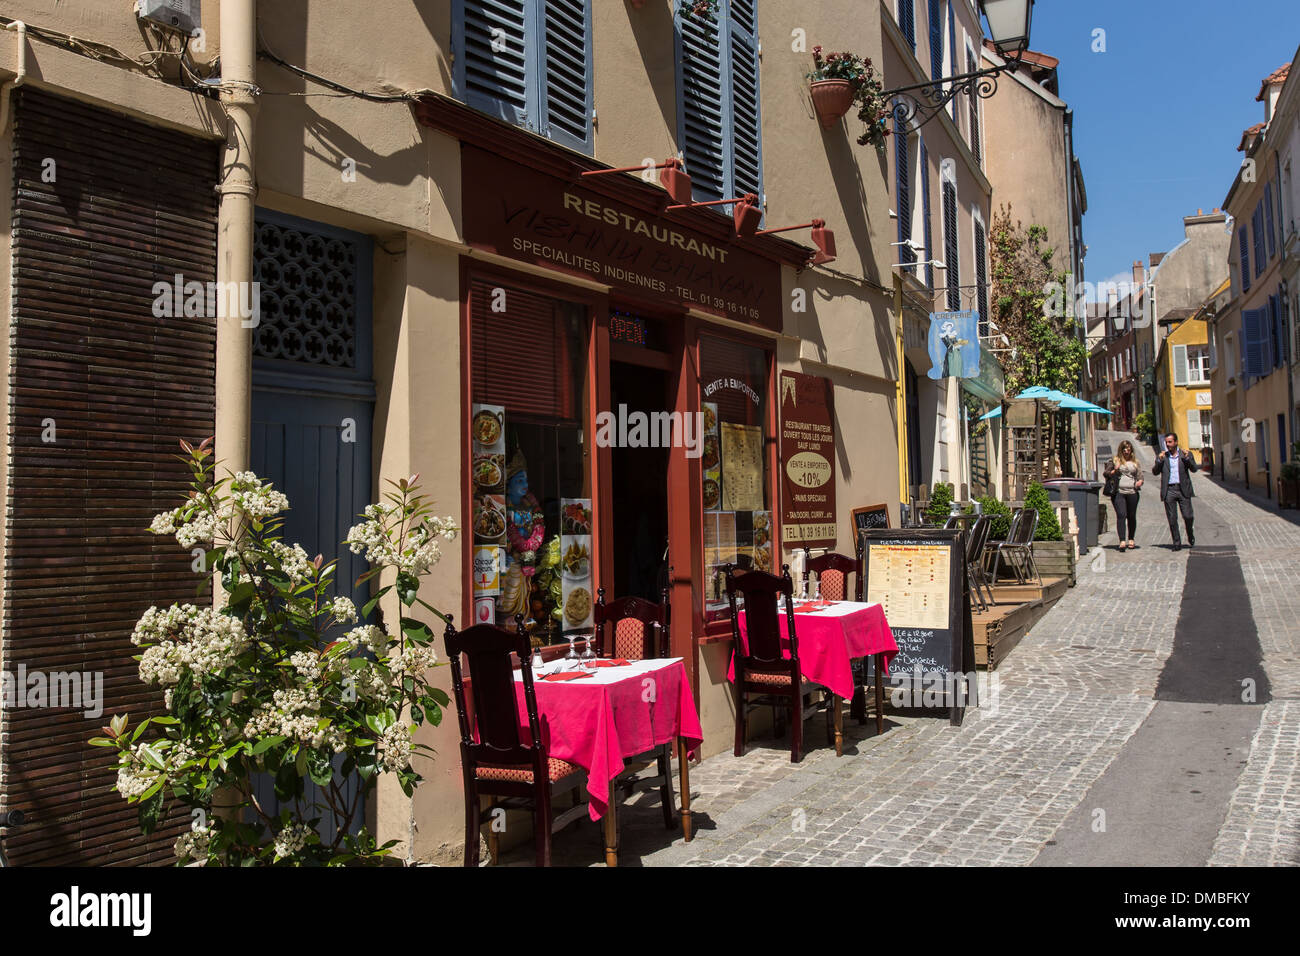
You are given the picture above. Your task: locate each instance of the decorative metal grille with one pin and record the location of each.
(308, 287)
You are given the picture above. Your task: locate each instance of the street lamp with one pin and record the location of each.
(1008, 30)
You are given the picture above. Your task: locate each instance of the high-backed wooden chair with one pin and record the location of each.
(833, 571)
(760, 665)
(633, 628)
(495, 760)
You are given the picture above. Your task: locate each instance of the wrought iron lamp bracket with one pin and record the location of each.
(922, 102)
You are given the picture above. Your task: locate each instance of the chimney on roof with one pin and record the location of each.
(1200, 212)
(1138, 275)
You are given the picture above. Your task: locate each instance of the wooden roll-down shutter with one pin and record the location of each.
(100, 389)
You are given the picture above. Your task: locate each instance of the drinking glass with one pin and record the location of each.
(573, 654)
(588, 655)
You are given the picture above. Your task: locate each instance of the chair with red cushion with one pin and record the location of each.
(633, 628)
(761, 668)
(495, 760)
(833, 572)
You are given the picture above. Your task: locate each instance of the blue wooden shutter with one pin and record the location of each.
(903, 188)
(925, 216)
(1257, 226)
(981, 279)
(951, 246)
(701, 82)
(952, 53)
(1255, 345)
(500, 81)
(907, 21)
(1268, 217)
(936, 39)
(1274, 334)
(1244, 248)
(746, 119)
(975, 148)
(565, 84)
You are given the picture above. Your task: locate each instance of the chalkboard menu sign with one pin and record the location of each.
(919, 578)
(869, 518)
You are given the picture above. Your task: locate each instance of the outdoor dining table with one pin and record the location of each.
(832, 635)
(610, 713)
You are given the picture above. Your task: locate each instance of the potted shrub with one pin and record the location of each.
(840, 80)
(1052, 553)
(1145, 426)
(1288, 486)
(1000, 517)
(940, 506)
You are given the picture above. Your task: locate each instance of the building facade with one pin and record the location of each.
(429, 252)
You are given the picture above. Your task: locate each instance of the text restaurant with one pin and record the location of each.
(619, 364)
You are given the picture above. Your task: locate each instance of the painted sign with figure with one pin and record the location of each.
(954, 345)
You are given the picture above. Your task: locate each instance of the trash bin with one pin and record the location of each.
(1086, 497)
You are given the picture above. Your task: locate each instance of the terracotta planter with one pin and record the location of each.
(831, 99)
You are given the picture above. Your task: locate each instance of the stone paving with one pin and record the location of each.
(995, 790)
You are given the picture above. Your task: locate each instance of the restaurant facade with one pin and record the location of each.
(608, 393)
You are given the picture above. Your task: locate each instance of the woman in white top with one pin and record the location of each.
(1125, 466)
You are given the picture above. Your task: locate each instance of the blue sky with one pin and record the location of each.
(1158, 115)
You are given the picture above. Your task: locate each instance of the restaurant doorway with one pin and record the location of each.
(639, 472)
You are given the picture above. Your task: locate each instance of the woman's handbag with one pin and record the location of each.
(1111, 488)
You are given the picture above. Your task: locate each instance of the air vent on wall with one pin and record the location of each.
(182, 15)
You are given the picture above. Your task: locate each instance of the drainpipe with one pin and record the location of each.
(238, 192)
(6, 97)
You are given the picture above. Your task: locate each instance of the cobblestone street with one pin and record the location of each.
(999, 789)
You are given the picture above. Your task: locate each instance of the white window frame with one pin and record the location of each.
(976, 149)
(1202, 367)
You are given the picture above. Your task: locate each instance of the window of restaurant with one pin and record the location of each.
(530, 472)
(738, 520)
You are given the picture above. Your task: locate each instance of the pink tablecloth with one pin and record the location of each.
(619, 712)
(830, 639)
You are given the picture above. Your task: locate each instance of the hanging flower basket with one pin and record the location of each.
(831, 99)
(831, 75)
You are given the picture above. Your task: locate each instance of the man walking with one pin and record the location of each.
(1174, 466)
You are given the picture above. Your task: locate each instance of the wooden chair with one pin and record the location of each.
(833, 572)
(639, 630)
(760, 666)
(494, 759)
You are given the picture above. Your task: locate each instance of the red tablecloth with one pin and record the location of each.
(618, 712)
(830, 639)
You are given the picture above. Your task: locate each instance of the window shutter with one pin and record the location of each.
(1274, 334)
(703, 109)
(951, 246)
(1193, 428)
(1268, 217)
(907, 21)
(1244, 250)
(902, 179)
(1253, 363)
(975, 148)
(936, 39)
(746, 118)
(1257, 225)
(925, 216)
(566, 83)
(981, 279)
(952, 53)
(499, 81)
(530, 334)
(1180, 364)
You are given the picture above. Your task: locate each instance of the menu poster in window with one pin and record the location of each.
(919, 579)
(712, 459)
(489, 519)
(742, 466)
(575, 563)
(807, 461)
(488, 464)
(720, 547)
(762, 541)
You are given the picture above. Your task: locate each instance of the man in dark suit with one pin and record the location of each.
(1175, 467)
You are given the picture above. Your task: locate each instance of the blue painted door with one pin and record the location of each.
(313, 400)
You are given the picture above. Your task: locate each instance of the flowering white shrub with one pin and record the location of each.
(261, 683)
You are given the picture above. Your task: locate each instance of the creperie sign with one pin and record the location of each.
(524, 214)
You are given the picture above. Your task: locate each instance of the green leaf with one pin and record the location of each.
(408, 587)
(417, 631)
(265, 744)
(151, 808)
(101, 742)
(439, 695)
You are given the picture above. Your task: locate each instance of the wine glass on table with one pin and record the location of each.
(588, 655)
(571, 659)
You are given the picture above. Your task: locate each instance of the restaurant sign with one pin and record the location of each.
(807, 461)
(526, 215)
